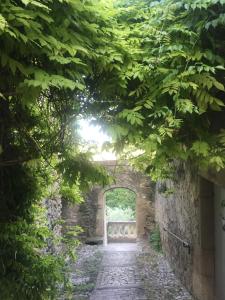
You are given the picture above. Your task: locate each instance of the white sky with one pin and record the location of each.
(93, 134)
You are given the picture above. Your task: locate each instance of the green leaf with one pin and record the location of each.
(200, 148)
(3, 23)
(218, 162)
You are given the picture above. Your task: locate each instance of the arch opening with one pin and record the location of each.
(120, 215)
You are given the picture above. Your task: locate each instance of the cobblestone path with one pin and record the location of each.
(136, 272)
(119, 278)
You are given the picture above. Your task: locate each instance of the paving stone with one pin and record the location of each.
(121, 247)
(120, 258)
(118, 277)
(121, 294)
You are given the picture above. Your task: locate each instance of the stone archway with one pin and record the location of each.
(90, 214)
(101, 226)
(125, 177)
(144, 208)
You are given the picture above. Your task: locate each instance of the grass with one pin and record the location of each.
(155, 239)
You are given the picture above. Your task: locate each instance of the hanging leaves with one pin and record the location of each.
(174, 74)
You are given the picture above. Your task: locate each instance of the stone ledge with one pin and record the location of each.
(94, 241)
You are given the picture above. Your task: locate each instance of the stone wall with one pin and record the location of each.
(83, 214)
(185, 207)
(177, 210)
(54, 210)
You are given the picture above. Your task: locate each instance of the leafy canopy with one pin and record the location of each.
(168, 95)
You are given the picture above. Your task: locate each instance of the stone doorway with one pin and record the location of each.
(90, 215)
(120, 216)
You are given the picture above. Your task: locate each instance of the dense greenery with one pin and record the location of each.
(168, 102)
(151, 71)
(121, 204)
(120, 197)
(45, 51)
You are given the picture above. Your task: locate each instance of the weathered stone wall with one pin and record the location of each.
(177, 209)
(54, 210)
(83, 214)
(185, 207)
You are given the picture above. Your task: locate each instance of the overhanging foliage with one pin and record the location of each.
(46, 49)
(151, 71)
(168, 101)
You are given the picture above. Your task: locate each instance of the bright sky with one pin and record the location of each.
(93, 134)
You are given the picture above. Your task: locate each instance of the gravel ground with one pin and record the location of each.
(159, 280)
(84, 272)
